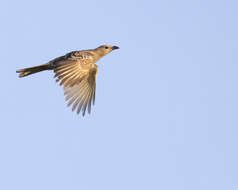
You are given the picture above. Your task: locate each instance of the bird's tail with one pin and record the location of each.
(32, 70)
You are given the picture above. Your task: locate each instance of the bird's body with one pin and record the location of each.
(76, 71)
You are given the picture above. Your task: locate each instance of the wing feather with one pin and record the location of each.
(79, 82)
(77, 95)
(69, 77)
(83, 101)
(63, 70)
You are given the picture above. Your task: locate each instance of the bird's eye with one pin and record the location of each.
(106, 47)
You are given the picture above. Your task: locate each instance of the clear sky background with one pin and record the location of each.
(166, 112)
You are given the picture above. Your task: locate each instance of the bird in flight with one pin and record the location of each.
(76, 71)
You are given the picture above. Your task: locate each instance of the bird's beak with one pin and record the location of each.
(114, 47)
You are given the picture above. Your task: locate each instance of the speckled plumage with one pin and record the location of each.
(76, 72)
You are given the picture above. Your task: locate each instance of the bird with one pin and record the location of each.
(76, 71)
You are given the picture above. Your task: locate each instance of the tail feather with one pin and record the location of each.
(32, 70)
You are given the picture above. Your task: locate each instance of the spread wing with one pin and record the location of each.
(79, 81)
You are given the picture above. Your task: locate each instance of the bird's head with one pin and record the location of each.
(105, 49)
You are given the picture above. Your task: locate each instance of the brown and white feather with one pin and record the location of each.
(76, 72)
(78, 77)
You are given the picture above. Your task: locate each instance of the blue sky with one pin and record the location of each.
(166, 102)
